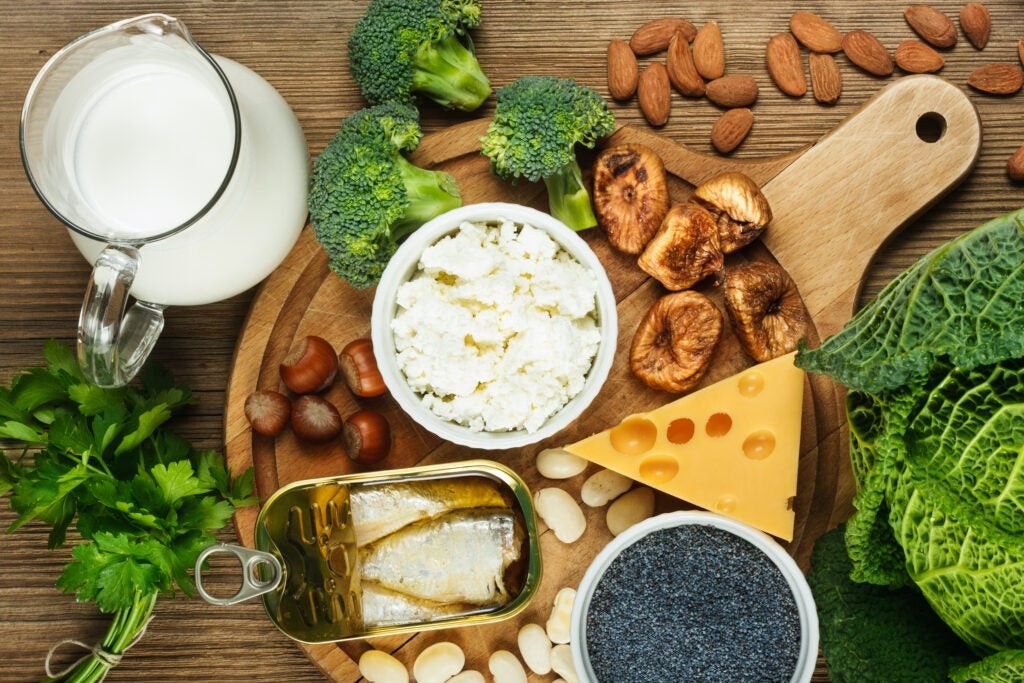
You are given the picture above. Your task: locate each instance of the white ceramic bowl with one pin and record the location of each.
(794, 577)
(404, 264)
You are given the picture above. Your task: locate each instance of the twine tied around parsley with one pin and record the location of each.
(105, 657)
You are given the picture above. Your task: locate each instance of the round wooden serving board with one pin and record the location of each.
(835, 203)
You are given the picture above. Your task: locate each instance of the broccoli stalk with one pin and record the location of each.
(538, 121)
(403, 47)
(365, 197)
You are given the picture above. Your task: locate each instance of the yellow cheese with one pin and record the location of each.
(732, 447)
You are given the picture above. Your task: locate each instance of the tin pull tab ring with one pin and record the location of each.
(252, 583)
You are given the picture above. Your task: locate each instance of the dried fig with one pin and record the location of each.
(630, 195)
(740, 210)
(685, 249)
(765, 308)
(672, 346)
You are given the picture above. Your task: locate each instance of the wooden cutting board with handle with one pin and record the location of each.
(835, 204)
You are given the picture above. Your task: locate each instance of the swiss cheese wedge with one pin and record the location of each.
(732, 447)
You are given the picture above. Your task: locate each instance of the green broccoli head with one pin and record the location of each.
(365, 197)
(538, 121)
(403, 47)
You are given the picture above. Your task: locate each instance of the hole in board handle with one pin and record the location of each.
(931, 127)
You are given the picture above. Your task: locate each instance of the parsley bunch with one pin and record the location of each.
(143, 500)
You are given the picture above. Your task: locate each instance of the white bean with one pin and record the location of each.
(561, 513)
(604, 486)
(467, 676)
(630, 508)
(506, 668)
(535, 647)
(438, 662)
(558, 625)
(561, 663)
(557, 463)
(377, 666)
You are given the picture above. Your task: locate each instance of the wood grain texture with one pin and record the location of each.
(300, 48)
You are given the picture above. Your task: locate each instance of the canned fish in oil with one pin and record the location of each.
(379, 553)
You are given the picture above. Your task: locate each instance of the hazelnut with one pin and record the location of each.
(310, 367)
(315, 419)
(367, 437)
(765, 308)
(685, 249)
(267, 412)
(673, 345)
(739, 208)
(359, 368)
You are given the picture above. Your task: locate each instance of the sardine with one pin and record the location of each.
(382, 509)
(461, 556)
(383, 607)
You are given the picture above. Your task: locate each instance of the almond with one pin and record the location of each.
(825, 79)
(934, 27)
(731, 128)
(732, 91)
(709, 51)
(785, 66)
(997, 78)
(1015, 165)
(655, 35)
(623, 71)
(682, 72)
(976, 23)
(915, 57)
(654, 94)
(867, 52)
(815, 33)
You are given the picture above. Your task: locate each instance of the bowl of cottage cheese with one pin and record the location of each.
(494, 326)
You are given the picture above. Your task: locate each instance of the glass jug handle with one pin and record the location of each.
(112, 348)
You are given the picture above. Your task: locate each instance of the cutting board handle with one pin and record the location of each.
(837, 204)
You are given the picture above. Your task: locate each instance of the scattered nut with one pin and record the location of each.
(561, 513)
(561, 663)
(559, 622)
(1015, 165)
(558, 463)
(673, 344)
(267, 412)
(915, 57)
(867, 52)
(630, 195)
(997, 78)
(686, 248)
(731, 129)
(709, 51)
(359, 368)
(730, 92)
(826, 82)
(933, 26)
(654, 93)
(506, 667)
(815, 33)
(535, 647)
(438, 662)
(785, 65)
(377, 666)
(467, 676)
(604, 486)
(310, 367)
(738, 206)
(367, 437)
(976, 23)
(315, 419)
(682, 72)
(654, 36)
(630, 508)
(623, 70)
(765, 308)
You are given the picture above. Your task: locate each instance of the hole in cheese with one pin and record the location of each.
(659, 469)
(680, 431)
(759, 445)
(633, 436)
(750, 384)
(718, 424)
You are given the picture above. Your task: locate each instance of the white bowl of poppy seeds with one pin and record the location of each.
(696, 597)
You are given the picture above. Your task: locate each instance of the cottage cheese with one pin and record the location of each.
(497, 328)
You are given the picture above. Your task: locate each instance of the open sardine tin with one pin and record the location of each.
(381, 553)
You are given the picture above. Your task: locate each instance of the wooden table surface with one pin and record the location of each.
(300, 48)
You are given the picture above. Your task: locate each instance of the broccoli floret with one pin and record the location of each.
(538, 120)
(365, 197)
(402, 47)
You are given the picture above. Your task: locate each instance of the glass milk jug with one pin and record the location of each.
(180, 175)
